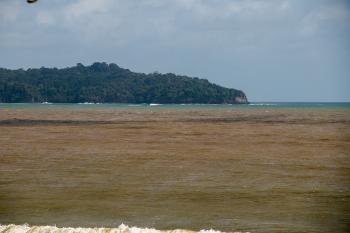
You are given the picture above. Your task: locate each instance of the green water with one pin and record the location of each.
(253, 105)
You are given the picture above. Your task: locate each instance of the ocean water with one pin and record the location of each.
(262, 167)
(253, 105)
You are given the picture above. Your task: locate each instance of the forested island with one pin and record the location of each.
(109, 83)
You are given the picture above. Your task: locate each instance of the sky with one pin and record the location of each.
(273, 50)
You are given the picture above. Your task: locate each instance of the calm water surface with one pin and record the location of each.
(253, 105)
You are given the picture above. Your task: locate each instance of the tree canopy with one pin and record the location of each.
(108, 83)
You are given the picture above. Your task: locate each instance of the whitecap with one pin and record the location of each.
(262, 104)
(86, 103)
(121, 229)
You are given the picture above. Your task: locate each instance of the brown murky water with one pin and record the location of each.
(249, 170)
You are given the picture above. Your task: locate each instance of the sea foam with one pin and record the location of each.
(121, 229)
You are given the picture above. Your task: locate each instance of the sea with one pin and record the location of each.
(252, 105)
(182, 168)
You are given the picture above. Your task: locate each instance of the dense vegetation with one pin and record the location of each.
(108, 83)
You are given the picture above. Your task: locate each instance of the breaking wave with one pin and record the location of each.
(262, 104)
(121, 229)
(89, 103)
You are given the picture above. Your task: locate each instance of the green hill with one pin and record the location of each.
(108, 83)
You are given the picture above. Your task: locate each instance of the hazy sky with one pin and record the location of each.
(274, 50)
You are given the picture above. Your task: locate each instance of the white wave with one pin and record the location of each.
(46, 103)
(155, 104)
(262, 104)
(121, 229)
(88, 103)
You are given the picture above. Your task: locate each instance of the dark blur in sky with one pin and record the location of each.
(276, 50)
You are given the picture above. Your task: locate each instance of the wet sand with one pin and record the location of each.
(257, 170)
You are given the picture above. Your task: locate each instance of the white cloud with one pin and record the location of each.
(175, 23)
(224, 9)
(84, 8)
(313, 21)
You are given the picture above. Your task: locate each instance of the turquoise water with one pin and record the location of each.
(253, 105)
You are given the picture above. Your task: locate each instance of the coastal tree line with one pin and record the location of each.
(108, 83)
